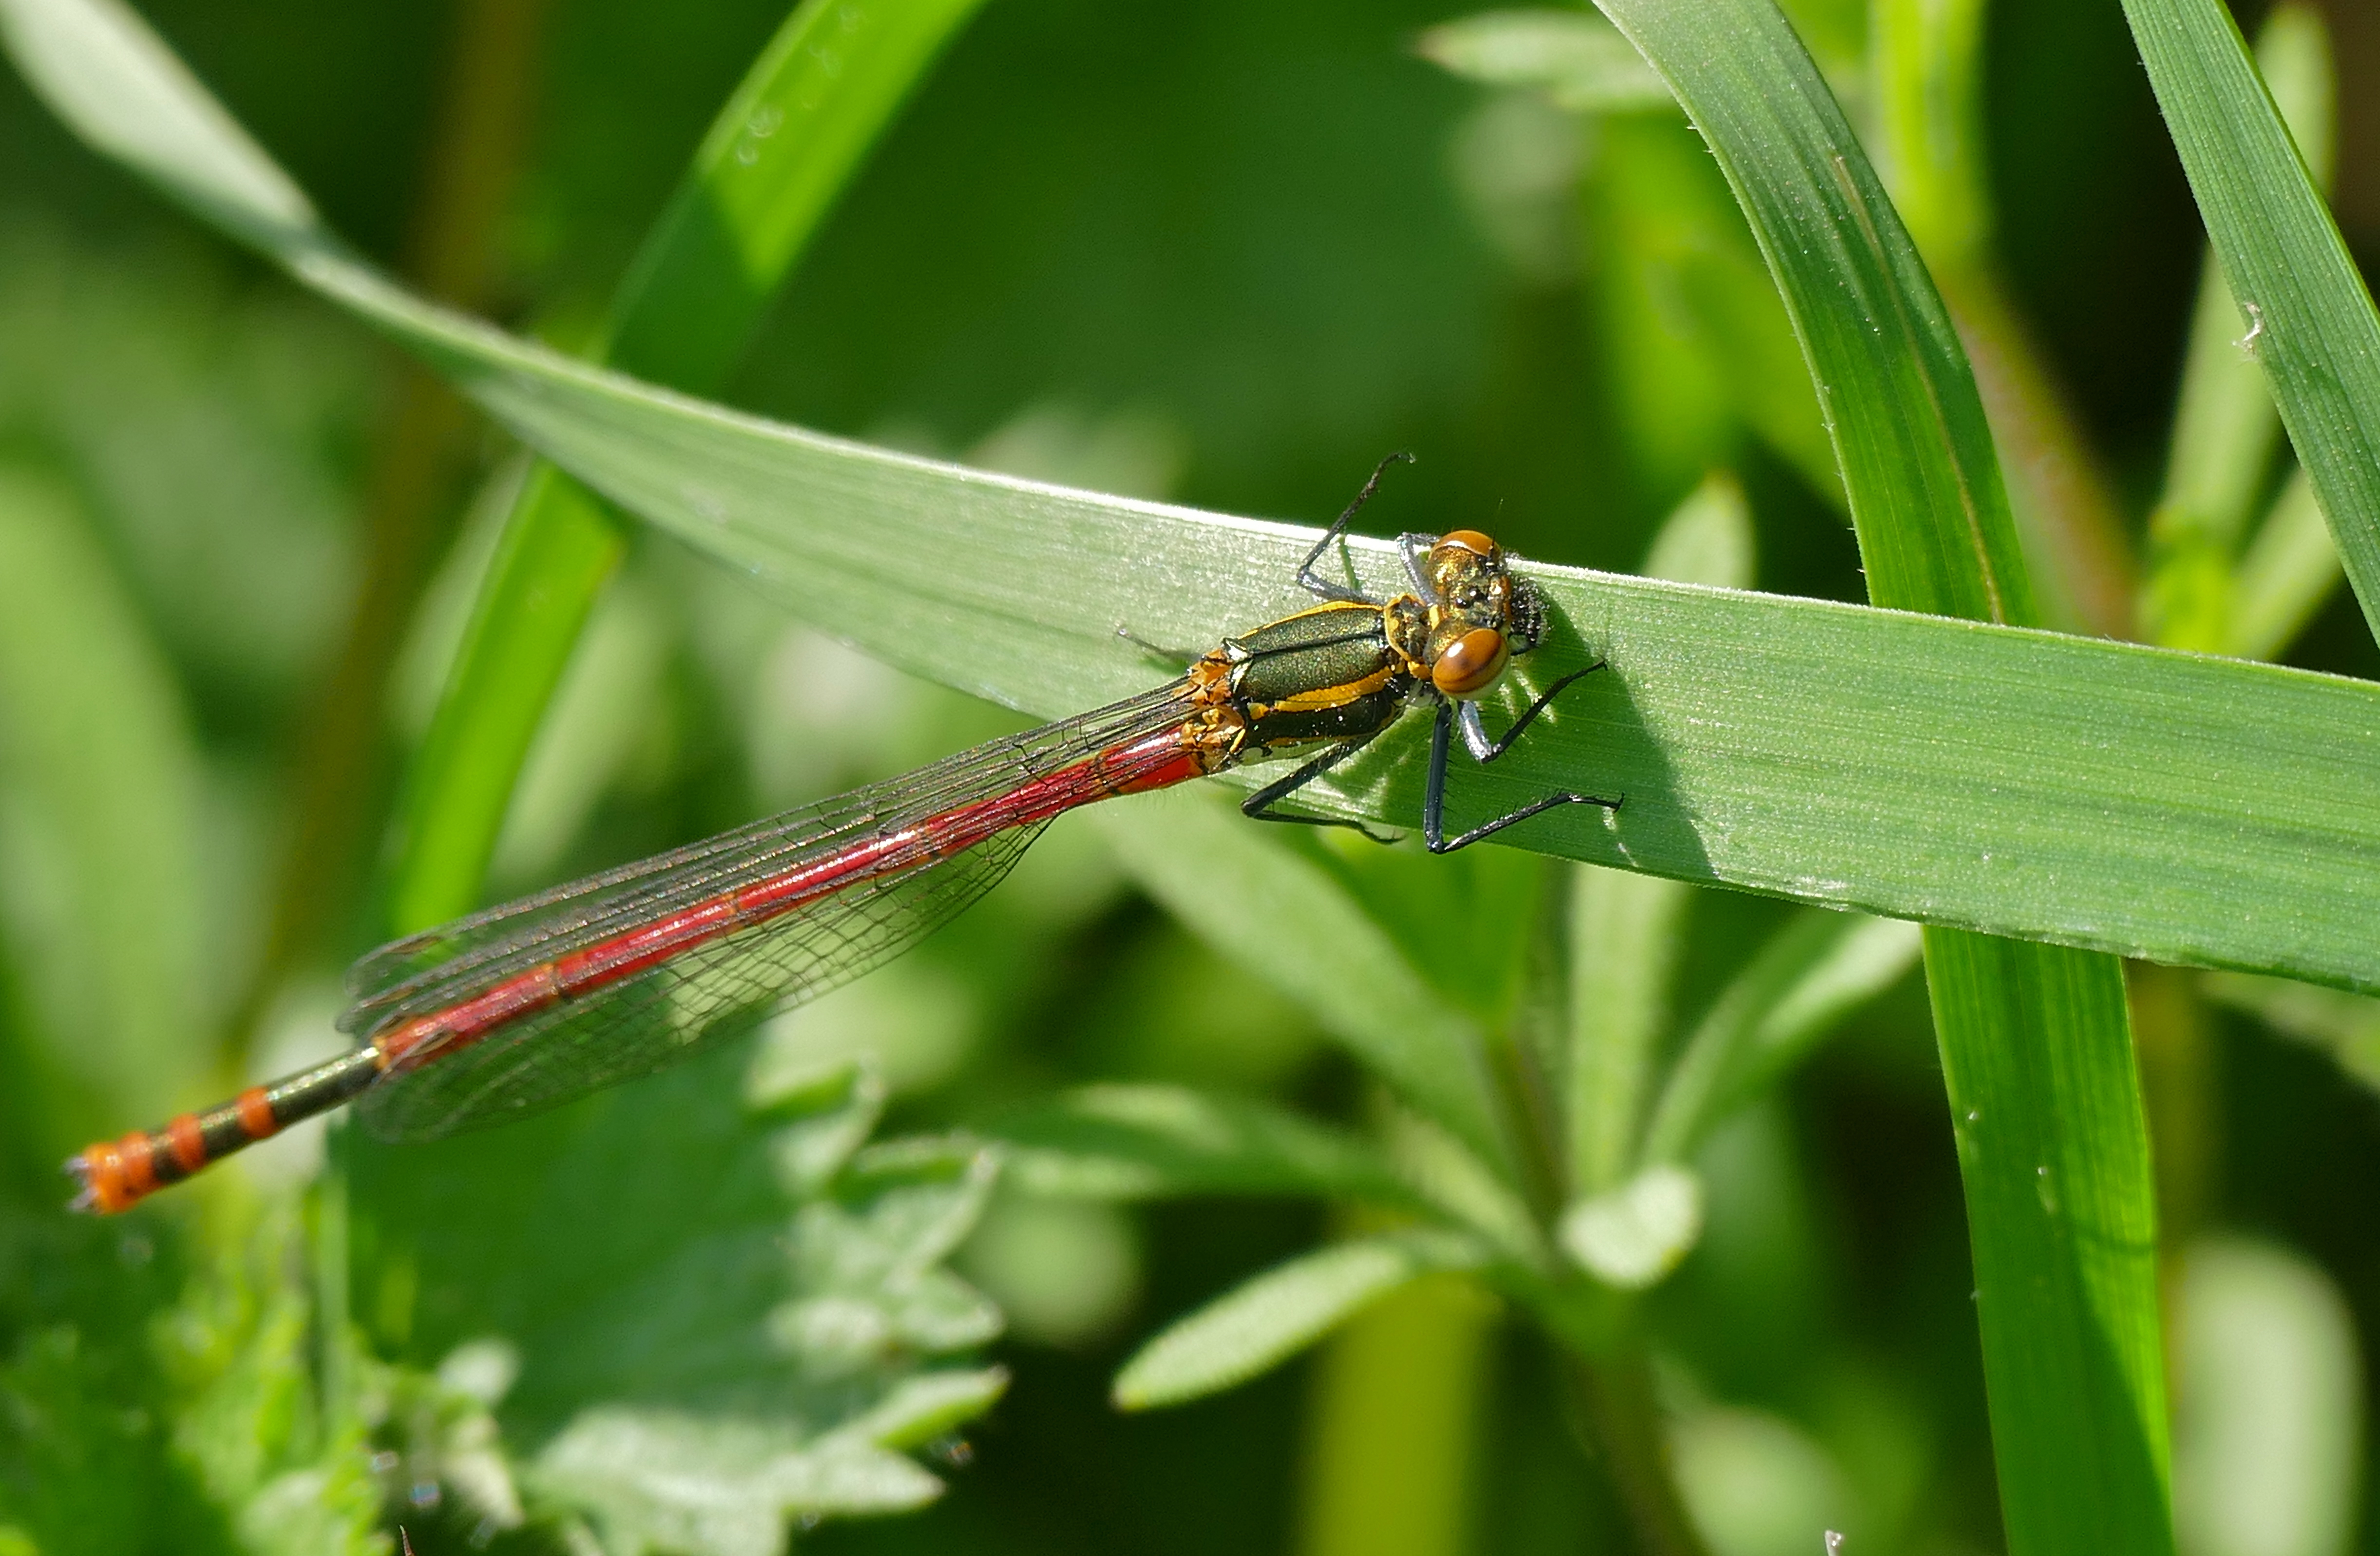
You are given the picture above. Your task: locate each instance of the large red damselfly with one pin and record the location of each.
(540, 1001)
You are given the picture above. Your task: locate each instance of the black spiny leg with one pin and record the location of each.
(1433, 807)
(1259, 807)
(1312, 582)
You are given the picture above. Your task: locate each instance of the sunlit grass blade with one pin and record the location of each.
(2052, 1160)
(789, 138)
(2070, 1330)
(2226, 427)
(2165, 805)
(1900, 404)
(2304, 308)
(1279, 1313)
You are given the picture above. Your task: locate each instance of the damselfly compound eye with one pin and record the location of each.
(1470, 663)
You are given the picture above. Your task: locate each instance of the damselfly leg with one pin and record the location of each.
(1259, 807)
(1315, 583)
(1484, 750)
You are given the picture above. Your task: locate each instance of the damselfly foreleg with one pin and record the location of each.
(1312, 582)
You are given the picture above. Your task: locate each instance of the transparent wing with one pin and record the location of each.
(444, 966)
(659, 1018)
(895, 882)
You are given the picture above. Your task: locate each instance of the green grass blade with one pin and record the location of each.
(2288, 571)
(2069, 1326)
(789, 139)
(1262, 1323)
(1815, 971)
(2098, 794)
(559, 547)
(1315, 943)
(1893, 383)
(1144, 1142)
(2065, 1240)
(2304, 306)
(2226, 427)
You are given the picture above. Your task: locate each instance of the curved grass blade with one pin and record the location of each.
(2036, 1038)
(2303, 305)
(789, 139)
(2158, 804)
(2225, 428)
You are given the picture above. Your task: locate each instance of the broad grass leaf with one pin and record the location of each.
(2158, 805)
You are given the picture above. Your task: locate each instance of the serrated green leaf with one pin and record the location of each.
(745, 1300)
(1143, 1142)
(2302, 304)
(1812, 973)
(666, 1482)
(1258, 1325)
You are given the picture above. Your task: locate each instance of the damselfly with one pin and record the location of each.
(540, 1001)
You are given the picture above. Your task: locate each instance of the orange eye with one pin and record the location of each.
(1469, 540)
(1471, 663)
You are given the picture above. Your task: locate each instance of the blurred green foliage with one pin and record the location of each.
(1226, 254)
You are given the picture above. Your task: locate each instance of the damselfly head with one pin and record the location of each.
(1482, 618)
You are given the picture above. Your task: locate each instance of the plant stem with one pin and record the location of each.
(1617, 1390)
(410, 512)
